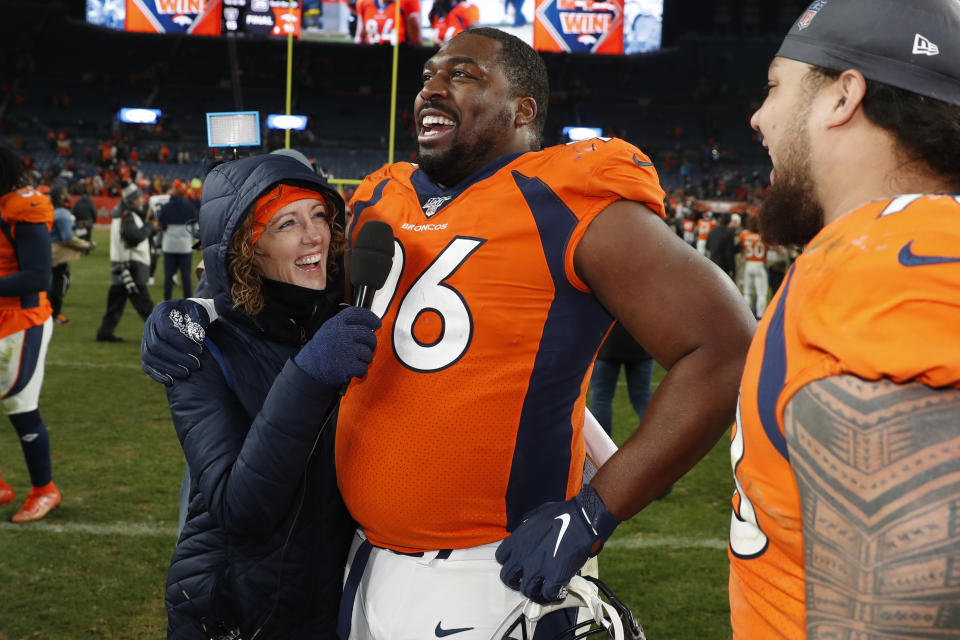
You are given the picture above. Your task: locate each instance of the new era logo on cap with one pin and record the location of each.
(923, 46)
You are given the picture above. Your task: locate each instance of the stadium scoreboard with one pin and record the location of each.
(261, 17)
(570, 26)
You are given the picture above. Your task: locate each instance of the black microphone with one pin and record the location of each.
(370, 261)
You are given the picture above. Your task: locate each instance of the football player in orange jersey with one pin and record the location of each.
(449, 18)
(509, 264)
(705, 225)
(26, 217)
(755, 282)
(377, 22)
(463, 448)
(847, 451)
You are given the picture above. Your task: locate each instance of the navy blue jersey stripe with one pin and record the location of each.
(773, 372)
(359, 207)
(427, 188)
(572, 333)
(27, 300)
(29, 357)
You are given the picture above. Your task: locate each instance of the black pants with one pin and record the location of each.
(173, 262)
(775, 279)
(59, 284)
(117, 300)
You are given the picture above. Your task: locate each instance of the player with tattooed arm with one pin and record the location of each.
(846, 452)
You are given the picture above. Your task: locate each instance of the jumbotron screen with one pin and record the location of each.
(199, 17)
(573, 26)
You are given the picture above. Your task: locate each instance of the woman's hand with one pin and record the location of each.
(173, 339)
(341, 349)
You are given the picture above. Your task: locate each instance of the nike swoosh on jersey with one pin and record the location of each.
(640, 163)
(564, 519)
(909, 259)
(440, 632)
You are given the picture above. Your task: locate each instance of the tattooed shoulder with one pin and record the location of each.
(877, 466)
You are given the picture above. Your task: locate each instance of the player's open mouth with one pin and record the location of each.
(435, 125)
(311, 262)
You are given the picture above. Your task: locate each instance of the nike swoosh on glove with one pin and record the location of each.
(552, 544)
(173, 340)
(341, 349)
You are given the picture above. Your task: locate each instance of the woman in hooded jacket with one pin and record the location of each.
(262, 552)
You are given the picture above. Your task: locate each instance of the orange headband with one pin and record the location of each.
(277, 198)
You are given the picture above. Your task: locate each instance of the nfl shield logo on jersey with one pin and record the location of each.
(810, 14)
(432, 205)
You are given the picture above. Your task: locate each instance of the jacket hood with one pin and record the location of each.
(229, 192)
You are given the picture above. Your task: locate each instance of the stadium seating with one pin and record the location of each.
(668, 102)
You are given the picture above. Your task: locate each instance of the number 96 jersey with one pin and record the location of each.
(471, 412)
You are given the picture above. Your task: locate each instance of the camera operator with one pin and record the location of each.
(130, 232)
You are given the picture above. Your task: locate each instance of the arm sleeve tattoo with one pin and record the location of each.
(877, 466)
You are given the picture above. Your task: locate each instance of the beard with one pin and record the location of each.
(791, 213)
(450, 166)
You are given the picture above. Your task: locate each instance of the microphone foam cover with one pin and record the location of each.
(372, 255)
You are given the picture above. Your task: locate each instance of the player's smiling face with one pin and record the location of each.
(293, 248)
(465, 111)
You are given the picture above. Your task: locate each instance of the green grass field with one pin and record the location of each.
(96, 566)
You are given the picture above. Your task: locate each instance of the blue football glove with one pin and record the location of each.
(552, 544)
(341, 349)
(173, 340)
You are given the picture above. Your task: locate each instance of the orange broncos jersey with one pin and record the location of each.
(379, 20)
(754, 248)
(471, 412)
(876, 294)
(23, 205)
(461, 16)
(704, 227)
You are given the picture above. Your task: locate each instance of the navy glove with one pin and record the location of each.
(341, 349)
(173, 340)
(552, 544)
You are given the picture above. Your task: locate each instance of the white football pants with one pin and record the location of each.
(755, 284)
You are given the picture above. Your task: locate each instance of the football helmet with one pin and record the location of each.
(598, 613)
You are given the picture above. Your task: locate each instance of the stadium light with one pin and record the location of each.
(139, 115)
(573, 134)
(233, 129)
(286, 121)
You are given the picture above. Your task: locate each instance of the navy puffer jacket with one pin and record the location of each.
(266, 537)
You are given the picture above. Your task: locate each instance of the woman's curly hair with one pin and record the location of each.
(246, 279)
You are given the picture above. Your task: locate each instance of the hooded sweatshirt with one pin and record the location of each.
(264, 545)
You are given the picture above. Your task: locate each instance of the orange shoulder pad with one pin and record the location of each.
(27, 205)
(397, 171)
(883, 298)
(614, 167)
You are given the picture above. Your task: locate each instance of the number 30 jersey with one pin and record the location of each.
(471, 412)
(876, 294)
